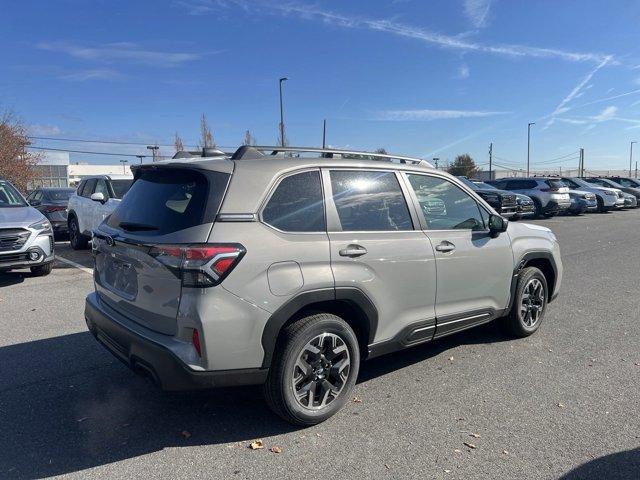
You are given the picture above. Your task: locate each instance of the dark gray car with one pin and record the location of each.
(52, 203)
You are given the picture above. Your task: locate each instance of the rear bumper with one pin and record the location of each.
(130, 343)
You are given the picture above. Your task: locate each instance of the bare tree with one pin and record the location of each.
(206, 136)
(178, 143)
(16, 164)
(249, 139)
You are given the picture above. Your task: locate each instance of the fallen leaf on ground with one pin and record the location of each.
(386, 466)
(504, 452)
(560, 405)
(256, 445)
(447, 471)
(451, 359)
(470, 445)
(275, 450)
(457, 450)
(475, 435)
(356, 400)
(185, 434)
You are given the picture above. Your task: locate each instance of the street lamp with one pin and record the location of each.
(435, 161)
(140, 157)
(283, 79)
(631, 156)
(124, 168)
(529, 144)
(154, 150)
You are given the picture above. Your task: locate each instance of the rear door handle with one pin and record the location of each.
(353, 251)
(445, 247)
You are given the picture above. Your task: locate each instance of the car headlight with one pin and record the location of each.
(42, 226)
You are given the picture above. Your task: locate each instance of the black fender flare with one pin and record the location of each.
(282, 315)
(521, 263)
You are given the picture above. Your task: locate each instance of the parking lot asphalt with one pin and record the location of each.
(564, 403)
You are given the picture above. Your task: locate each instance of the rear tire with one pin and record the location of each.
(601, 208)
(539, 211)
(314, 369)
(529, 304)
(42, 270)
(77, 240)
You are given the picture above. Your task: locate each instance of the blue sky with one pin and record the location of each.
(432, 79)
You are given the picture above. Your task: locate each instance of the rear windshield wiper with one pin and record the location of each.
(137, 227)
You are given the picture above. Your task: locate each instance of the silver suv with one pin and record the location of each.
(288, 271)
(550, 196)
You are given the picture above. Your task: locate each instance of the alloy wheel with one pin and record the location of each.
(532, 302)
(321, 371)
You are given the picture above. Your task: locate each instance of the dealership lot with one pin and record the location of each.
(474, 405)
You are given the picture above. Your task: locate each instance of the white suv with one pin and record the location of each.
(93, 201)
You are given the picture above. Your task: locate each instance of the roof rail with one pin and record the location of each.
(330, 152)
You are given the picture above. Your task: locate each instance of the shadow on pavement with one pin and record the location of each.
(67, 405)
(617, 466)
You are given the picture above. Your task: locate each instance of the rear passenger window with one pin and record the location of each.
(369, 201)
(297, 204)
(88, 187)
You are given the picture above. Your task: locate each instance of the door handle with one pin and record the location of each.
(445, 247)
(353, 251)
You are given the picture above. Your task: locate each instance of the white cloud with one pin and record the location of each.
(607, 113)
(315, 13)
(428, 114)
(122, 51)
(44, 130)
(96, 74)
(477, 11)
(463, 71)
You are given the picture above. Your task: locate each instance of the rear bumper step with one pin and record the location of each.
(153, 360)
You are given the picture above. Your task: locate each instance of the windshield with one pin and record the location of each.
(120, 187)
(9, 196)
(468, 183)
(62, 194)
(485, 185)
(555, 183)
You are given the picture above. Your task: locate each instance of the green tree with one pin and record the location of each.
(463, 165)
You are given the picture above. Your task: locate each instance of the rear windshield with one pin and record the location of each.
(166, 201)
(120, 187)
(62, 194)
(555, 183)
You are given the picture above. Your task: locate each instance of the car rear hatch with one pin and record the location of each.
(139, 249)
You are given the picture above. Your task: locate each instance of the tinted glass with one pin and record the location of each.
(485, 186)
(570, 183)
(555, 183)
(444, 205)
(369, 201)
(88, 187)
(101, 187)
(468, 183)
(120, 187)
(62, 194)
(9, 196)
(165, 201)
(296, 205)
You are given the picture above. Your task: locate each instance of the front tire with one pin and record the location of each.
(77, 240)
(314, 369)
(42, 270)
(529, 304)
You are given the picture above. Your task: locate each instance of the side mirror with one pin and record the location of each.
(98, 197)
(497, 224)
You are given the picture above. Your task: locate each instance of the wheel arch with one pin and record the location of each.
(544, 262)
(350, 304)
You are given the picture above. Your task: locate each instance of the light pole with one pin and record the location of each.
(124, 169)
(140, 157)
(529, 144)
(154, 150)
(435, 161)
(283, 79)
(631, 157)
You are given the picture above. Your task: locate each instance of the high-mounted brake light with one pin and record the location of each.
(200, 265)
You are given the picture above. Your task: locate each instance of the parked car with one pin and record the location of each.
(605, 182)
(581, 202)
(502, 201)
(524, 205)
(550, 196)
(26, 236)
(287, 271)
(52, 202)
(626, 181)
(94, 200)
(606, 198)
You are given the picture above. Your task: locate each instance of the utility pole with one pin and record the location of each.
(124, 169)
(283, 79)
(324, 133)
(435, 161)
(529, 144)
(581, 163)
(490, 161)
(636, 169)
(140, 157)
(631, 156)
(154, 149)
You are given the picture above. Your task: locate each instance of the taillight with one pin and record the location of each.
(53, 208)
(200, 265)
(195, 340)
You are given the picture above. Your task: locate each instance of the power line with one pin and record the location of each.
(115, 142)
(89, 153)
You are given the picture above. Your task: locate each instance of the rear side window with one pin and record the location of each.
(297, 205)
(555, 183)
(166, 201)
(87, 190)
(120, 187)
(369, 201)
